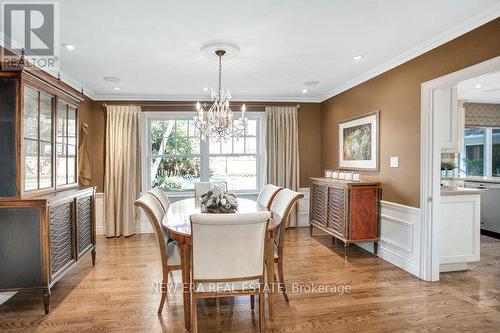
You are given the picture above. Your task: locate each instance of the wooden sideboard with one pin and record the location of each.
(42, 237)
(347, 210)
(47, 222)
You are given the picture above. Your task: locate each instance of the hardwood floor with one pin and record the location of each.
(117, 295)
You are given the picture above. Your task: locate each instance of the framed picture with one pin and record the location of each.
(358, 143)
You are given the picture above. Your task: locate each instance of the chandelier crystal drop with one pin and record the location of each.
(217, 123)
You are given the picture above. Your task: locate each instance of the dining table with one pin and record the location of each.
(177, 224)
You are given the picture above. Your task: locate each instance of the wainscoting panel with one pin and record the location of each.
(303, 208)
(399, 237)
(99, 213)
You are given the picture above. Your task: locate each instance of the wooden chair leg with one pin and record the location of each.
(194, 316)
(282, 278)
(164, 289)
(262, 314)
(252, 302)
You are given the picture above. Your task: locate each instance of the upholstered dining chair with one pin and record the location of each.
(228, 258)
(164, 201)
(281, 207)
(169, 251)
(203, 187)
(267, 194)
(162, 198)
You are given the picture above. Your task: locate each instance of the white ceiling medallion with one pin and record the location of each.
(231, 50)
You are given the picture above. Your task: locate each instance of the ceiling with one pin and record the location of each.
(153, 46)
(481, 89)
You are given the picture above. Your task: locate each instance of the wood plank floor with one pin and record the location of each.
(118, 295)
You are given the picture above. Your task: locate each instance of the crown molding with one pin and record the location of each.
(472, 23)
(190, 98)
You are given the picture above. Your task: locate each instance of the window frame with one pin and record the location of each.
(204, 155)
(487, 153)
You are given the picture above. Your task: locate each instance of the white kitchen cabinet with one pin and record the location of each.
(450, 120)
(460, 230)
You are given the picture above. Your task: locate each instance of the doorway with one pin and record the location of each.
(432, 130)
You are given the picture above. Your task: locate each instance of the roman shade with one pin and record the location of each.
(482, 115)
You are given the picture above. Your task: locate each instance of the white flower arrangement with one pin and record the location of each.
(217, 202)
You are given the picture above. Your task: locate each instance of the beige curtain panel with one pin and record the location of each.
(122, 172)
(282, 144)
(85, 172)
(482, 115)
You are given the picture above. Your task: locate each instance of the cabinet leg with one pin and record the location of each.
(310, 229)
(375, 249)
(93, 257)
(46, 300)
(346, 250)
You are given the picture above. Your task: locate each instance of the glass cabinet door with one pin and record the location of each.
(72, 144)
(37, 139)
(66, 143)
(62, 143)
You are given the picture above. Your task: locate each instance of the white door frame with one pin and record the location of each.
(430, 175)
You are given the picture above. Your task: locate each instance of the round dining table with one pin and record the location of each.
(177, 225)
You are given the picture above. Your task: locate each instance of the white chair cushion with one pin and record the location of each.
(267, 193)
(173, 254)
(220, 287)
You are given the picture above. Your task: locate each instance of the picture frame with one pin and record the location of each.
(359, 143)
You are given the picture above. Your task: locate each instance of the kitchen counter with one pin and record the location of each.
(448, 190)
(494, 180)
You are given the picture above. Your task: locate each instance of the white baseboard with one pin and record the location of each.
(399, 237)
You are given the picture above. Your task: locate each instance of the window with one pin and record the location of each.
(482, 152)
(177, 157)
(495, 160)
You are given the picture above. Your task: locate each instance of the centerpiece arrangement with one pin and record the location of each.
(218, 202)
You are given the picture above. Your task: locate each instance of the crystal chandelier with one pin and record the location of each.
(217, 123)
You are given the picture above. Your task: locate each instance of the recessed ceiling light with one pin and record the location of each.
(111, 79)
(70, 47)
(116, 88)
(358, 57)
(205, 89)
(478, 86)
(304, 91)
(311, 83)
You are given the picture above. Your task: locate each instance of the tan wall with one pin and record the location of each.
(309, 133)
(396, 94)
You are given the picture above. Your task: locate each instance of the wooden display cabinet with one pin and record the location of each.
(47, 222)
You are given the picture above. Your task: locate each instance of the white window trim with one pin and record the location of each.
(487, 155)
(204, 156)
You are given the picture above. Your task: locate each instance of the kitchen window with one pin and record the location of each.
(482, 152)
(177, 157)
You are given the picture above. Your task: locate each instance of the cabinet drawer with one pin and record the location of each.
(61, 237)
(84, 224)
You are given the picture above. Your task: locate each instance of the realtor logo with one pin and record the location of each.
(29, 28)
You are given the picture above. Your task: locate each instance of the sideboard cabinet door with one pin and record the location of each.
(336, 211)
(61, 237)
(319, 204)
(84, 224)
